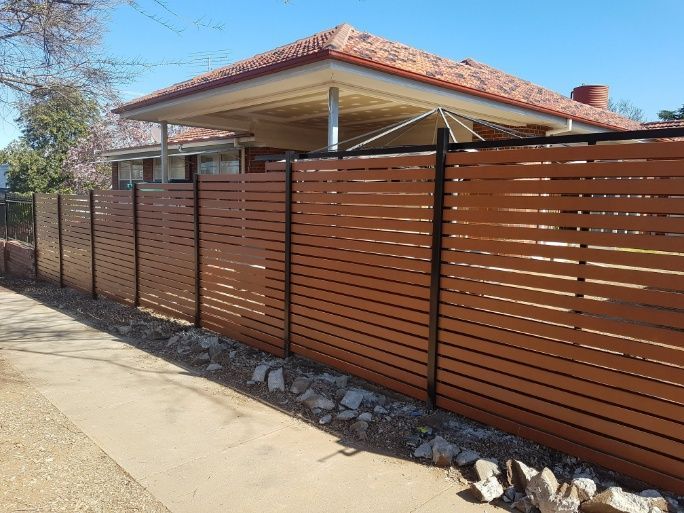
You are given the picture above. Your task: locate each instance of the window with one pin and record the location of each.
(130, 172)
(176, 169)
(220, 163)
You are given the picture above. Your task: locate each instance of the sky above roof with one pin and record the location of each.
(625, 45)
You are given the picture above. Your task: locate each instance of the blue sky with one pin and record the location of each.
(626, 44)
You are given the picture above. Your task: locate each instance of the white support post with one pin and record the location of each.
(165, 151)
(333, 118)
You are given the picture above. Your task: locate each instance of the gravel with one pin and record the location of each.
(400, 424)
(47, 464)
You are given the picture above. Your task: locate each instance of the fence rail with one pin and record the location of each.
(537, 290)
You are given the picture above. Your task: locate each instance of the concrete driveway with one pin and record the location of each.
(198, 446)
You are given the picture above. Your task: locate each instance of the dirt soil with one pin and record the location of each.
(406, 424)
(48, 465)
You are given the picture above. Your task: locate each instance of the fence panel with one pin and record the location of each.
(560, 294)
(76, 242)
(561, 306)
(114, 243)
(361, 236)
(242, 234)
(47, 238)
(165, 228)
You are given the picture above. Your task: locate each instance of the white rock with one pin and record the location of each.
(519, 474)
(615, 500)
(259, 374)
(303, 397)
(423, 451)
(380, 410)
(319, 401)
(325, 419)
(442, 452)
(487, 490)
(214, 367)
(173, 341)
(486, 468)
(352, 399)
(276, 380)
(300, 385)
(586, 488)
(466, 457)
(366, 417)
(542, 486)
(346, 415)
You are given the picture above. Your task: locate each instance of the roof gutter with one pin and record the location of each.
(343, 57)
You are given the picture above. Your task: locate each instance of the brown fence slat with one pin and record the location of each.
(560, 279)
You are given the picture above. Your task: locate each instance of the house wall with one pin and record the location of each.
(495, 135)
(191, 164)
(255, 166)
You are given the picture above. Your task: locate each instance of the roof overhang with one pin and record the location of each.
(223, 103)
(192, 148)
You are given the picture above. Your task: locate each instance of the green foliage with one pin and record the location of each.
(54, 119)
(671, 115)
(52, 123)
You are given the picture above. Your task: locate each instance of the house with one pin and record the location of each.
(192, 150)
(341, 83)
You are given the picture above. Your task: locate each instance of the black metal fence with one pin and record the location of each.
(16, 217)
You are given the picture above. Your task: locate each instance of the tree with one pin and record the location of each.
(627, 109)
(58, 43)
(83, 164)
(52, 121)
(671, 115)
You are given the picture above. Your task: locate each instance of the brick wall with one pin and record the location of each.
(255, 166)
(148, 170)
(16, 259)
(191, 166)
(490, 134)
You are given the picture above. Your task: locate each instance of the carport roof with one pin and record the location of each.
(345, 43)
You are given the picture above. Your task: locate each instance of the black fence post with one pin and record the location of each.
(93, 283)
(59, 240)
(4, 247)
(289, 157)
(136, 290)
(35, 236)
(436, 267)
(195, 207)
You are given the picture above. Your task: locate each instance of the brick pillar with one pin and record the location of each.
(148, 170)
(115, 175)
(190, 166)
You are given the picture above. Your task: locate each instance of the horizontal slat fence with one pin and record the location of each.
(555, 311)
(241, 232)
(47, 238)
(166, 256)
(114, 245)
(76, 242)
(361, 233)
(562, 313)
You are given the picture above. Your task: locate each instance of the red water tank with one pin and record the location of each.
(594, 95)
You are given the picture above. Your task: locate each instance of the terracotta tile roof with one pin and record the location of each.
(344, 42)
(193, 134)
(672, 123)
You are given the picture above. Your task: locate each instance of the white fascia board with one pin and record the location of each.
(319, 76)
(401, 89)
(298, 81)
(176, 147)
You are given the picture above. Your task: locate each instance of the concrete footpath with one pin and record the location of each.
(198, 446)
